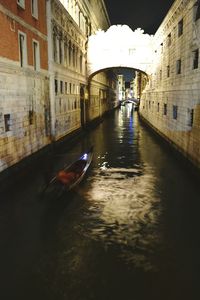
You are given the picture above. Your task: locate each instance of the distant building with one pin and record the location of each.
(132, 88)
(121, 87)
(140, 82)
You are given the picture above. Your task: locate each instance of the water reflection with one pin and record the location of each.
(124, 212)
(129, 231)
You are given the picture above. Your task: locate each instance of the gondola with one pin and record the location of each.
(70, 176)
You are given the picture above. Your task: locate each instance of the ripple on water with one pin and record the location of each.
(123, 211)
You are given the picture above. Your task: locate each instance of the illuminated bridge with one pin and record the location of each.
(119, 46)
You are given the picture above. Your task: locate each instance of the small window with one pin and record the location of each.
(160, 74)
(7, 122)
(56, 86)
(175, 112)
(168, 71)
(178, 66)
(34, 8)
(196, 11)
(180, 27)
(70, 88)
(36, 56)
(165, 109)
(30, 117)
(22, 49)
(169, 39)
(196, 59)
(61, 87)
(190, 117)
(21, 3)
(81, 64)
(158, 107)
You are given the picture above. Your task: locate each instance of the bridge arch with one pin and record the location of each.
(120, 46)
(114, 67)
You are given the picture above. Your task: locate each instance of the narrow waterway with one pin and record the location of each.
(129, 231)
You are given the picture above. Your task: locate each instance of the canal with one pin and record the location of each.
(129, 231)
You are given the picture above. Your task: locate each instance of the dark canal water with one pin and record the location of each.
(129, 231)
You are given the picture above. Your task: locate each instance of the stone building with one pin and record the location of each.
(171, 100)
(73, 102)
(121, 87)
(24, 84)
(44, 91)
(140, 82)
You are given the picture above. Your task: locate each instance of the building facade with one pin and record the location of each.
(44, 90)
(170, 102)
(121, 87)
(140, 83)
(74, 103)
(24, 83)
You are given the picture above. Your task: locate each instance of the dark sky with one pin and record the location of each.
(146, 14)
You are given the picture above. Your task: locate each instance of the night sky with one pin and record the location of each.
(146, 14)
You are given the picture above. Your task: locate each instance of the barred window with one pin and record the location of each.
(168, 71)
(169, 39)
(178, 66)
(196, 11)
(180, 27)
(61, 87)
(31, 117)
(190, 117)
(175, 112)
(7, 122)
(165, 109)
(196, 59)
(56, 86)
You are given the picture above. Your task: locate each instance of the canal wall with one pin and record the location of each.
(170, 103)
(38, 160)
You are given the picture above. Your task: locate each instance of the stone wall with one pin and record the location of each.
(170, 102)
(102, 94)
(24, 86)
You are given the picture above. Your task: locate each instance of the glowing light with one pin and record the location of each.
(119, 46)
(85, 156)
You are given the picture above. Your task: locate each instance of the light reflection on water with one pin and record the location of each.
(123, 212)
(123, 220)
(129, 231)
